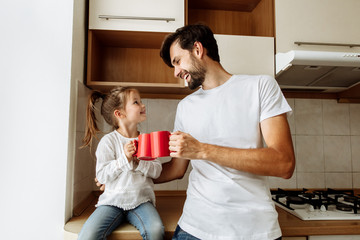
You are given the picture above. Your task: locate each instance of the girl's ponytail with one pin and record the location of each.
(115, 99)
(91, 128)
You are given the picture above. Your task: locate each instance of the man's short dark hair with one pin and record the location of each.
(187, 36)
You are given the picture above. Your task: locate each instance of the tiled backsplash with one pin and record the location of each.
(326, 137)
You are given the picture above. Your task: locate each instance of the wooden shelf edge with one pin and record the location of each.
(134, 84)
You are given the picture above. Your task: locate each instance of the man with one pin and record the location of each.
(219, 128)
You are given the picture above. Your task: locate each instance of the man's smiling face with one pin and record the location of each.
(187, 66)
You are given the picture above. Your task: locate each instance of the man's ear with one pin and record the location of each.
(198, 49)
(119, 114)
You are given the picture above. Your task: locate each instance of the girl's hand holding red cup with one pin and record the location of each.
(130, 149)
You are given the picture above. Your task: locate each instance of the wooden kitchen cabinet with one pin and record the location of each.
(129, 58)
(137, 15)
(320, 21)
(126, 52)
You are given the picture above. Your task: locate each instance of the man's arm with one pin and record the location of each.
(172, 170)
(277, 159)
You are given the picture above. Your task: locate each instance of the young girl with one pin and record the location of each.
(129, 193)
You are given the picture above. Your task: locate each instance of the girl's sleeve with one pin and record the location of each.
(108, 165)
(151, 169)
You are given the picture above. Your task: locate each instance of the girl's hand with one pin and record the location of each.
(101, 186)
(129, 149)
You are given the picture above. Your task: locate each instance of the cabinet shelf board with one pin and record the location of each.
(130, 39)
(147, 90)
(238, 5)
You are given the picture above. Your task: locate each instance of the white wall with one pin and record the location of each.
(35, 63)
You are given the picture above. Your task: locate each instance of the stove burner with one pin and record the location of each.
(343, 207)
(309, 195)
(349, 199)
(295, 200)
(329, 204)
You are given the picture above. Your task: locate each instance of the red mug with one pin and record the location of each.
(152, 145)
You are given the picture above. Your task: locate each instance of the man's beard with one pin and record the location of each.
(197, 74)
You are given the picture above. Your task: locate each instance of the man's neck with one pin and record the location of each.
(215, 76)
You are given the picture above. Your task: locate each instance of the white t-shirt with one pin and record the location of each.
(127, 185)
(224, 203)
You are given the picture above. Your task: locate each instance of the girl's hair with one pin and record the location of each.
(114, 100)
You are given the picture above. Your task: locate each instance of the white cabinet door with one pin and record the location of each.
(246, 54)
(137, 15)
(320, 21)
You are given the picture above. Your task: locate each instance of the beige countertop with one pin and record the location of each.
(170, 203)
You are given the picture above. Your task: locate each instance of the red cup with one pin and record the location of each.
(160, 144)
(143, 150)
(152, 145)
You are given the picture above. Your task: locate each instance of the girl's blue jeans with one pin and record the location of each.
(105, 219)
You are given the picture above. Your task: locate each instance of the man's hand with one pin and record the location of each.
(183, 145)
(101, 186)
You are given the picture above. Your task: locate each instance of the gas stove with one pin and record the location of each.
(329, 204)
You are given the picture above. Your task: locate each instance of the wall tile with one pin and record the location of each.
(188, 170)
(277, 182)
(355, 153)
(291, 118)
(308, 117)
(84, 161)
(336, 118)
(356, 180)
(337, 153)
(355, 119)
(83, 93)
(183, 183)
(143, 126)
(310, 180)
(338, 180)
(82, 190)
(309, 154)
(161, 114)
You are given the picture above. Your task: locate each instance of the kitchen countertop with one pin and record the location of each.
(170, 203)
(292, 226)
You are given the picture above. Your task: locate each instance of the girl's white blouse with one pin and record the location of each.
(127, 185)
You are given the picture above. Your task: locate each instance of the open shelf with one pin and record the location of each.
(128, 59)
(234, 17)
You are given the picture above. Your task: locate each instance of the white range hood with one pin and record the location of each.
(317, 70)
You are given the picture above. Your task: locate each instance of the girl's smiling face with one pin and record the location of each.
(134, 109)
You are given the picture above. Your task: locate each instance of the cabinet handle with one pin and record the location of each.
(107, 17)
(328, 44)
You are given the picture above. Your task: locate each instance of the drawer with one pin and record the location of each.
(137, 15)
